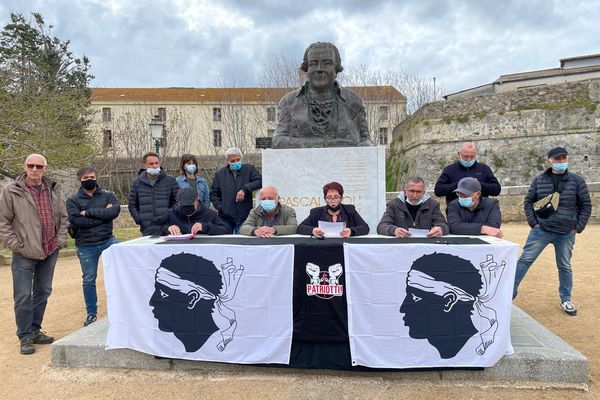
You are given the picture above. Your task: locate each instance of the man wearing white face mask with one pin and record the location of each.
(412, 209)
(152, 193)
(271, 217)
(472, 214)
(557, 227)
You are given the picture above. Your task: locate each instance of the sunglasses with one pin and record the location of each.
(35, 166)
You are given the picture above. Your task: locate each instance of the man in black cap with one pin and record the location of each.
(557, 226)
(472, 214)
(188, 215)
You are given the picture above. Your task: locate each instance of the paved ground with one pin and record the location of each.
(33, 377)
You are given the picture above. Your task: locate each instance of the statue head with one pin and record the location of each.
(440, 292)
(322, 63)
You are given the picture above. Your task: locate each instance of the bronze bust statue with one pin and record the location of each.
(321, 113)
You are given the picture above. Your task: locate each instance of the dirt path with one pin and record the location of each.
(32, 376)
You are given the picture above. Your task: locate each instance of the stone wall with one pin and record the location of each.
(513, 133)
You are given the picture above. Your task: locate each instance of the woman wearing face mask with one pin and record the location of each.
(189, 216)
(472, 214)
(334, 211)
(413, 208)
(188, 167)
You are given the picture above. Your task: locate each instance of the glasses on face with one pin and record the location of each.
(35, 166)
(333, 197)
(415, 191)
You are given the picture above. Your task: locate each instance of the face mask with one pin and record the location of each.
(560, 167)
(191, 168)
(416, 203)
(467, 164)
(88, 184)
(235, 166)
(466, 202)
(334, 209)
(268, 205)
(187, 210)
(153, 171)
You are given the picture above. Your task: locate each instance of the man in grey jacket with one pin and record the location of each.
(270, 218)
(33, 224)
(559, 228)
(412, 209)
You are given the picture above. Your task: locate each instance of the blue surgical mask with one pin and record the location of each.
(467, 164)
(268, 205)
(190, 168)
(153, 171)
(465, 202)
(235, 166)
(560, 167)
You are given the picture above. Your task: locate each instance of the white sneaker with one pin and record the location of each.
(569, 308)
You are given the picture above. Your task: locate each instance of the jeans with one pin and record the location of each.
(537, 241)
(232, 227)
(32, 285)
(88, 258)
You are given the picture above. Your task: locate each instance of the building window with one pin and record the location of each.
(270, 132)
(383, 136)
(271, 113)
(383, 113)
(216, 114)
(106, 114)
(162, 113)
(107, 139)
(163, 141)
(217, 138)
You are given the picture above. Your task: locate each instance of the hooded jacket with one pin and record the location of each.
(397, 216)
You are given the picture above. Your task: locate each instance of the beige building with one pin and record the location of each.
(571, 69)
(207, 121)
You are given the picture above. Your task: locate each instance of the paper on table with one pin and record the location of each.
(187, 236)
(332, 229)
(418, 233)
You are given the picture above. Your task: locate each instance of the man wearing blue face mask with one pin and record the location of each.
(189, 215)
(472, 214)
(467, 165)
(270, 218)
(232, 187)
(412, 209)
(558, 227)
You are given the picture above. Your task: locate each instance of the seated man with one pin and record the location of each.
(270, 218)
(413, 208)
(471, 214)
(188, 215)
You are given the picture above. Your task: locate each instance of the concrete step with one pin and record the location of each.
(541, 359)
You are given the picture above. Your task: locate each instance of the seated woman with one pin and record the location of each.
(189, 215)
(188, 168)
(334, 211)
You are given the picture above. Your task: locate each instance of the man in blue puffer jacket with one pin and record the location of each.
(559, 228)
(152, 193)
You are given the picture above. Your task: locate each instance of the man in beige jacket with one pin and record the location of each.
(33, 224)
(270, 218)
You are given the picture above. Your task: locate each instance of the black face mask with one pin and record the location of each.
(187, 210)
(334, 209)
(88, 184)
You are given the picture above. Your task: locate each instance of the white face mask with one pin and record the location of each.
(153, 171)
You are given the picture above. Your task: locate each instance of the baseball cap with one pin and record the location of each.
(557, 151)
(468, 186)
(186, 196)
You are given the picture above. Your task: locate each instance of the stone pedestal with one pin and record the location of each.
(299, 175)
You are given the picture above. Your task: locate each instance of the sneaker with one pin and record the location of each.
(91, 318)
(569, 308)
(27, 346)
(41, 338)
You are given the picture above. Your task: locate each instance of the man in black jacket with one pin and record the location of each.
(190, 216)
(231, 189)
(152, 194)
(91, 212)
(467, 165)
(559, 228)
(471, 214)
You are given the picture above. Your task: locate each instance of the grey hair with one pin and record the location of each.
(38, 155)
(268, 187)
(233, 151)
(415, 179)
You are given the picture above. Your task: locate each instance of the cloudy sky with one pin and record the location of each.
(200, 43)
